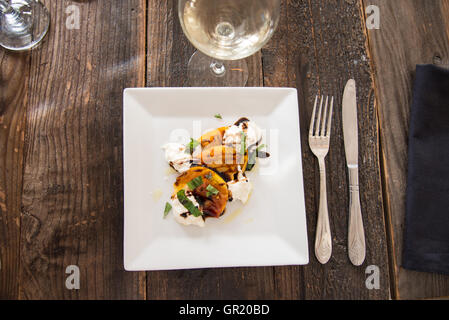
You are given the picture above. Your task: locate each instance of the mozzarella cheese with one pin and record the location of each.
(183, 216)
(233, 135)
(240, 188)
(175, 154)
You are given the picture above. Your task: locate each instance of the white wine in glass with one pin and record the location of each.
(225, 32)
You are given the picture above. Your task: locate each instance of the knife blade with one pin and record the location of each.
(350, 124)
(356, 233)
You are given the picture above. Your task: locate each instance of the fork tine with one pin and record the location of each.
(329, 123)
(323, 125)
(317, 129)
(312, 122)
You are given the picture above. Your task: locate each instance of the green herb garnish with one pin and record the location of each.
(167, 209)
(252, 157)
(260, 147)
(192, 145)
(218, 116)
(251, 161)
(195, 183)
(208, 176)
(243, 143)
(188, 204)
(211, 191)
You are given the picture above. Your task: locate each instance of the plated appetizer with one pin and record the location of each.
(213, 171)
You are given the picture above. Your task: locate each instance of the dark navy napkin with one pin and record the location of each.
(426, 237)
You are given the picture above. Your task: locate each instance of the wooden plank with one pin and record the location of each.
(14, 71)
(72, 184)
(411, 32)
(330, 57)
(318, 47)
(168, 54)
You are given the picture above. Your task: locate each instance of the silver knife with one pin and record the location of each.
(356, 234)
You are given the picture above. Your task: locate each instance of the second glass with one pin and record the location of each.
(225, 32)
(23, 24)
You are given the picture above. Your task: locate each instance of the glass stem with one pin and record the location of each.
(218, 68)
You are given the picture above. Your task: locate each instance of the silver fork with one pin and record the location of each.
(319, 138)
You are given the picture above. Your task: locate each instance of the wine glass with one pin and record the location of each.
(23, 24)
(225, 32)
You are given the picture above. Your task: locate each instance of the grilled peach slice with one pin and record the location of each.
(224, 159)
(212, 205)
(213, 138)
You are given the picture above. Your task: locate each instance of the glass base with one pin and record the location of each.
(26, 27)
(205, 71)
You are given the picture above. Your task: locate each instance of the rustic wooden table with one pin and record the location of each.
(61, 172)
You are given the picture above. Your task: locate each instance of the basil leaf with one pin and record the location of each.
(211, 191)
(260, 147)
(218, 116)
(251, 161)
(252, 157)
(243, 143)
(192, 145)
(167, 209)
(195, 183)
(208, 176)
(188, 204)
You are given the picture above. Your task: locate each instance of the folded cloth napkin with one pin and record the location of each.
(426, 237)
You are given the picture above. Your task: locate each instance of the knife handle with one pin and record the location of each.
(323, 239)
(356, 235)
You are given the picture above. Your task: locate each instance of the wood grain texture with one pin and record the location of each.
(318, 47)
(329, 38)
(72, 209)
(14, 71)
(411, 32)
(61, 192)
(168, 54)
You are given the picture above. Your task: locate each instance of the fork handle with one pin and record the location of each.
(323, 240)
(356, 234)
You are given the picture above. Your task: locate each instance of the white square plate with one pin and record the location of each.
(269, 230)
